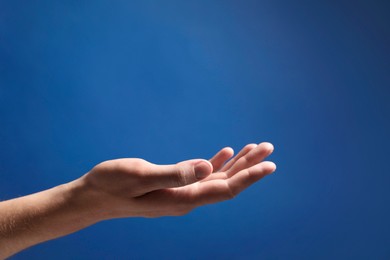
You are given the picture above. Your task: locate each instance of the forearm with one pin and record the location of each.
(42, 216)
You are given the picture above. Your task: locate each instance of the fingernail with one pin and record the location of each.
(272, 167)
(202, 170)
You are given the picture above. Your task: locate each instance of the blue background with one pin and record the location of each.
(86, 81)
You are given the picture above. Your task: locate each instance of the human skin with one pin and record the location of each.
(129, 187)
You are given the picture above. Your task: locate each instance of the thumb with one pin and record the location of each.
(180, 174)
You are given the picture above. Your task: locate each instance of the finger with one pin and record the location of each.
(211, 192)
(243, 151)
(253, 157)
(247, 177)
(177, 175)
(221, 157)
(217, 190)
(221, 174)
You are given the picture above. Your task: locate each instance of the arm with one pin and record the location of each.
(129, 188)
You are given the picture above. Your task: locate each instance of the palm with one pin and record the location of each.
(227, 180)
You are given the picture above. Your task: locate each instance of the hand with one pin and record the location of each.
(135, 187)
(128, 188)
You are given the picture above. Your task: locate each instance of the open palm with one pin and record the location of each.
(227, 180)
(129, 187)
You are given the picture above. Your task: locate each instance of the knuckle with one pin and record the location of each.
(137, 164)
(180, 177)
(229, 192)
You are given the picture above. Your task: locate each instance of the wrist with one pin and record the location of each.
(85, 201)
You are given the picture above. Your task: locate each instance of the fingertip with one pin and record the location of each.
(268, 146)
(209, 164)
(250, 146)
(228, 151)
(269, 167)
(203, 169)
